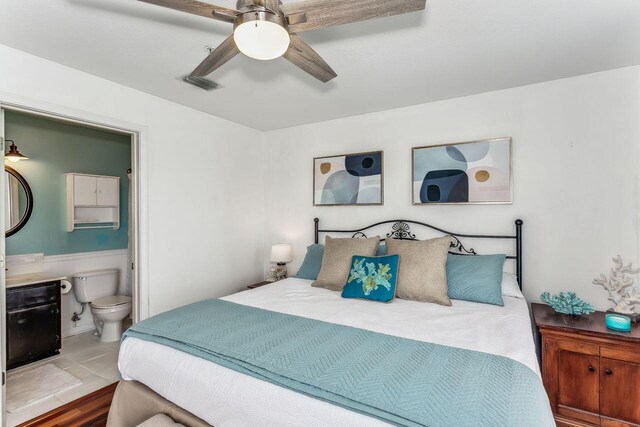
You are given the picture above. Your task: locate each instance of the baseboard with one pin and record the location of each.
(78, 330)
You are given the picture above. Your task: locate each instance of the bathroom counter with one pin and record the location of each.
(31, 279)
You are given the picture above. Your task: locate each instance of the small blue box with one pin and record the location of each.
(618, 322)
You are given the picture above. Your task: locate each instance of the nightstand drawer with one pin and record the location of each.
(624, 354)
(565, 344)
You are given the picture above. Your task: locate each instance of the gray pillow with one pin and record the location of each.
(422, 275)
(336, 261)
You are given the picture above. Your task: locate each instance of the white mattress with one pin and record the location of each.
(223, 397)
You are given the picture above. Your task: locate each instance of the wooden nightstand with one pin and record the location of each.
(591, 373)
(257, 285)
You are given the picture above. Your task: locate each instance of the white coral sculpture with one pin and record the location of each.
(620, 286)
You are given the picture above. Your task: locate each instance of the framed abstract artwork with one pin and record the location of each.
(467, 172)
(350, 179)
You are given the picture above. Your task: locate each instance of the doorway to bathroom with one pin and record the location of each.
(71, 284)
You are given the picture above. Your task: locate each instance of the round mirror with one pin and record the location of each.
(19, 201)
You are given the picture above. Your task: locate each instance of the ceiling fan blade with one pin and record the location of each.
(303, 56)
(198, 8)
(272, 5)
(313, 14)
(220, 56)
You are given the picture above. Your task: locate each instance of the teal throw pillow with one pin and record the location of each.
(372, 278)
(475, 278)
(312, 263)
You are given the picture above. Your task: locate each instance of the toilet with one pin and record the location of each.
(99, 288)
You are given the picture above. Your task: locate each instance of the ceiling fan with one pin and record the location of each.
(268, 29)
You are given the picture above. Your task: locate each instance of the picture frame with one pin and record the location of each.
(355, 179)
(472, 172)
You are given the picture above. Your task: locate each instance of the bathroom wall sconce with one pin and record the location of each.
(13, 155)
(281, 254)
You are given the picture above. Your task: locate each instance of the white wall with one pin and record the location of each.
(576, 148)
(204, 211)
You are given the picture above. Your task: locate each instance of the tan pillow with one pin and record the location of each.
(422, 275)
(336, 261)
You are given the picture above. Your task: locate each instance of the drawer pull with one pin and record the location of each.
(608, 371)
(592, 368)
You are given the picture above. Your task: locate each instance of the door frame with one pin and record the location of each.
(3, 292)
(139, 206)
(139, 202)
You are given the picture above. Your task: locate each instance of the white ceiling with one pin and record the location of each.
(454, 48)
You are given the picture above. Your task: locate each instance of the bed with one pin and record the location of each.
(196, 391)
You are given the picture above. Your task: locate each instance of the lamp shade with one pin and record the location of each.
(281, 252)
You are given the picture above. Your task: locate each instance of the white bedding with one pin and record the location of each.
(223, 397)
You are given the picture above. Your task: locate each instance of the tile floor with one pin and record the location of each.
(83, 356)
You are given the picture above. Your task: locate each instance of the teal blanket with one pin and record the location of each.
(397, 380)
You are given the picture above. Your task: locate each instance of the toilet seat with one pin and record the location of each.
(110, 301)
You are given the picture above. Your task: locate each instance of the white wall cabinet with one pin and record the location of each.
(93, 201)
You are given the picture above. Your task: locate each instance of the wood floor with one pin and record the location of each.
(88, 411)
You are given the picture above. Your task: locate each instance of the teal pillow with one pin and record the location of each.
(310, 267)
(476, 278)
(372, 278)
(312, 263)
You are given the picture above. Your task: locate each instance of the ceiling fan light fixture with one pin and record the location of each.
(261, 35)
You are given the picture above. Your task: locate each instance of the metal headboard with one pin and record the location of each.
(401, 229)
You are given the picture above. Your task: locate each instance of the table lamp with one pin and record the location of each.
(281, 254)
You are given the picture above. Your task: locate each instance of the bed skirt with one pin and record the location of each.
(134, 403)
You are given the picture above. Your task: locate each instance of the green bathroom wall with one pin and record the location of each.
(55, 149)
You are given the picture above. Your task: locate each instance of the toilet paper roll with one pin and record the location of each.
(65, 286)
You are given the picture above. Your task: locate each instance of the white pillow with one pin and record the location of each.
(510, 287)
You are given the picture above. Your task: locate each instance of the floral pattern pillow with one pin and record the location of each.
(372, 278)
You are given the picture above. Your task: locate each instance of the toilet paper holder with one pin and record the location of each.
(65, 286)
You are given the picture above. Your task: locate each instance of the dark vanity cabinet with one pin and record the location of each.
(33, 323)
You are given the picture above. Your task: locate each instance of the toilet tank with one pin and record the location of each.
(91, 285)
